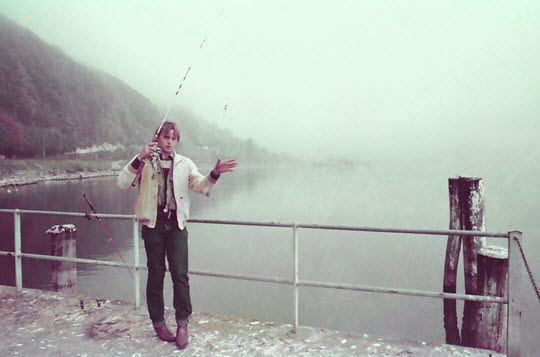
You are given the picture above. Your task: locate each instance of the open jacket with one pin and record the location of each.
(185, 177)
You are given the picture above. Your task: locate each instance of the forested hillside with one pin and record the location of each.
(50, 104)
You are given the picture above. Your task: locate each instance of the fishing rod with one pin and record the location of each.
(95, 215)
(156, 152)
(189, 68)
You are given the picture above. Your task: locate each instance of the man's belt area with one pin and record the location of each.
(168, 217)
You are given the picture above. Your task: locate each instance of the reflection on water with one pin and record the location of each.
(394, 196)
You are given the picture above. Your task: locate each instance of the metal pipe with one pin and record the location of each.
(515, 268)
(421, 293)
(295, 276)
(137, 273)
(290, 225)
(295, 282)
(18, 259)
(70, 214)
(408, 231)
(316, 284)
(242, 277)
(68, 259)
(358, 229)
(242, 223)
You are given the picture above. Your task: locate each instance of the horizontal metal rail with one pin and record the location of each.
(295, 282)
(283, 225)
(355, 229)
(316, 284)
(243, 277)
(409, 231)
(366, 288)
(66, 259)
(70, 214)
(378, 289)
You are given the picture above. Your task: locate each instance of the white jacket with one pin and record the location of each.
(185, 177)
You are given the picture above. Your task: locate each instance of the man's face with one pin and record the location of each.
(167, 141)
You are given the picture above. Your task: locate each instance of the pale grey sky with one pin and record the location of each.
(319, 78)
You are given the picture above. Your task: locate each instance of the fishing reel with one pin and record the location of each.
(154, 156)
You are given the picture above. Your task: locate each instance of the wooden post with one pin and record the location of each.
(471, 198)
(466, 213)
(64, 274)
(453, 247)
(491, 318)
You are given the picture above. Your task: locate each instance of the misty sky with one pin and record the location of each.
(319, 78)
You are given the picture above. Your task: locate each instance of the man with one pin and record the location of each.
(164, 179)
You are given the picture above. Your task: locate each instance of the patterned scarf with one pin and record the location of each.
(165, 184)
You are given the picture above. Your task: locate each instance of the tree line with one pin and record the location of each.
(50, 105)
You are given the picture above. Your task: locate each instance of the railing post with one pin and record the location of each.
(295, 278)
(513, 339)
(18, 257)
(137, 275)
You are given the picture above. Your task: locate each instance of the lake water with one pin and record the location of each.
(398, 195)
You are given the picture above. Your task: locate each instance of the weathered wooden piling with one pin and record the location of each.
(64, 274)
(453, 247)
(467, 212)
(485, 268)
(471, 198)
(491, 318)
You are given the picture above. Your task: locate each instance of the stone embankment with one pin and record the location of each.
(40, 323)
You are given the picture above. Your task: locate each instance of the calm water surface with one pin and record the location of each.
(412, 195)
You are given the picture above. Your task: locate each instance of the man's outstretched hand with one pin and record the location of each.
(224, 166)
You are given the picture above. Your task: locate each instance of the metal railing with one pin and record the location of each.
(514, 263)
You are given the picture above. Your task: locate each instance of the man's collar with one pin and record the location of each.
(171, 155)
(176, 157)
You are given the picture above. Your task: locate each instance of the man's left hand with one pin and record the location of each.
(224, 166)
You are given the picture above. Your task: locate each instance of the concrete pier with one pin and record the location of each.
(41, 323)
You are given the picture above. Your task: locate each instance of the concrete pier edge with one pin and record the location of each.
(45, 323)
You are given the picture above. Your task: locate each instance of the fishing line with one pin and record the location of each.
(197, 53)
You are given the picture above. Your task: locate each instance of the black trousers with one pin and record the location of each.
(167, 241)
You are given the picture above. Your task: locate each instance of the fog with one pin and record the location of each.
(322, 79)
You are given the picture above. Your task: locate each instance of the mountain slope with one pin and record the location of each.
(50, 104)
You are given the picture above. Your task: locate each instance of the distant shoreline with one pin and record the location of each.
(31, 171)
(25, 178)
(31, 177)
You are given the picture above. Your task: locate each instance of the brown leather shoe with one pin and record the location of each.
(182, 337)
(164, 333)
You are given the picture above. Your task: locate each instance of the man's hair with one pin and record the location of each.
(168, 126)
